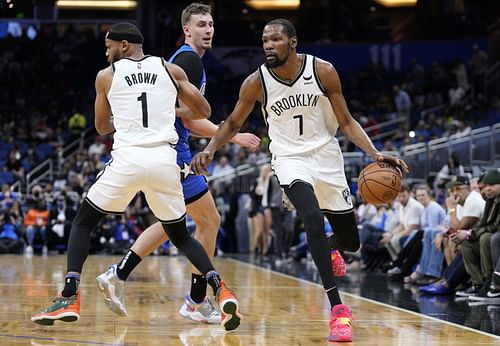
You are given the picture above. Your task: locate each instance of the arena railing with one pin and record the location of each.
(386, 128)
(42, 171)
(46, 169)
(480, 147)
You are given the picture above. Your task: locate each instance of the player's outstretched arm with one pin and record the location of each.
(102, 109)
(206, 128)
(189, 95)
(348, 125)
(250, 92)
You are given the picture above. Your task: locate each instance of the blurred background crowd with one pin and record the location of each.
(436, 107)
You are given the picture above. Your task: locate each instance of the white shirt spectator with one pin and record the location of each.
(473, 206)
(98, 148)
(366, 212)
(410, 214)
(456, 95)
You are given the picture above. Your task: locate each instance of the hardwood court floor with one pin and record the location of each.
(278, 309)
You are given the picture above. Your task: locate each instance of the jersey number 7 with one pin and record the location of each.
(301, 123)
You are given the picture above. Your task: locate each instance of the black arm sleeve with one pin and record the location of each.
(191, 63)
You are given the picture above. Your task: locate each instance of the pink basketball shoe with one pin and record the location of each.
(340, 324)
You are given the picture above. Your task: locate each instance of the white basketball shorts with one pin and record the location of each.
(152, 170)
(323, 169)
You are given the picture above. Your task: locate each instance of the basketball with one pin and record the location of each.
(379, 183)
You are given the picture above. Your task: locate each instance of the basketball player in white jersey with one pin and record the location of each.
(198, 27)
(135, 99)
(303, 105)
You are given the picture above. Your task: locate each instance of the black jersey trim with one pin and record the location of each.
(113, 67)
(195, 197)
(337, 212)
(297, 77)
(93, 205)
(135, 60)
(316, 76)
(297, 181)
(168, 222)
(168, 72)
(264, 102)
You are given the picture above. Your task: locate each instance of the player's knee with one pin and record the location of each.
(177, 232)
(313, 222)
(87, 217)
(213, 222)
(208, 222)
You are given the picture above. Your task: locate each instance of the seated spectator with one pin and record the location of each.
(7, 197)
(493, 295)
(476, 242)
(370, 234)
(36, 221)
(432, 217)
(14, 164)
(10, 240)
(465, 207)
(97, 148)
(409, 211)
(365, 211)
(60, 217)
(449, 169)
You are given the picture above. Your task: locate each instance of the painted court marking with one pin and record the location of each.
(370, 300)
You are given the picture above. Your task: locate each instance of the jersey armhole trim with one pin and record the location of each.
(264, 90)
(168, 72)
(316, 76)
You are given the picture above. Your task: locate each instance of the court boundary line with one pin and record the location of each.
(42, 338)
(369, 300)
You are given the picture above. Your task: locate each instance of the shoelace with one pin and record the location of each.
(341, 321)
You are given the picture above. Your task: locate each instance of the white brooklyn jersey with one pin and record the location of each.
(142, 98)
(298, 113)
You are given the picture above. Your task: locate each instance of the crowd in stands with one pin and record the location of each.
(46, 83)
(445, 249)
(442, 237)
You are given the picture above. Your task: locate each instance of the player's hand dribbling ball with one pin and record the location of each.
(379, 183)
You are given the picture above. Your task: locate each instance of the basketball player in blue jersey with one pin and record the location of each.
(303, 105)
(136, 99)
(198, 28)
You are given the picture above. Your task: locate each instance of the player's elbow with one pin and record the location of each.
(103, 129)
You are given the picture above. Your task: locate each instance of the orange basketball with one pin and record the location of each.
(379, 183)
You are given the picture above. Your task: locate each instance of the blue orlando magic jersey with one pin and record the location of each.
(182, 131)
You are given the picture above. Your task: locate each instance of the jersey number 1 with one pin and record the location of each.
(144, 102)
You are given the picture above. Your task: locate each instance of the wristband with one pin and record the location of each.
(452, 210)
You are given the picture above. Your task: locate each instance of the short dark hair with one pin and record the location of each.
(425, 188)
(404, 188)
(128, 31)
(125, 28)
(194, 8)
(288, 27)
